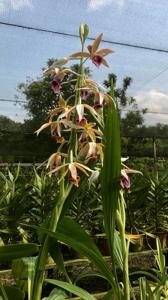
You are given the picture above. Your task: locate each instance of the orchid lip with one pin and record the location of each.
(98, 105)
(84, 95)
(97, 60)
(56, 85)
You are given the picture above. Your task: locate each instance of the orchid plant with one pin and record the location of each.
(88, 146)
(80, 131)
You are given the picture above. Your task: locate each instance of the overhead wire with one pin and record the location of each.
(127, 110)
(77, 36)
(90, 38)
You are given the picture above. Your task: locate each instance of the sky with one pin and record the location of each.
(23, 53)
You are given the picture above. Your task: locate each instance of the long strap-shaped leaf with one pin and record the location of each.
(13, 251)
(72, 289)
(72, 234)
(111, 171)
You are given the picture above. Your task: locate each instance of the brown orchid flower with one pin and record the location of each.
(92, 150)
(89, 132)
(62, 108)
(71, 170)
(56, 128)
(125, 179)
(79, 108)
(97, 56)
(55, 160)
(99, 98)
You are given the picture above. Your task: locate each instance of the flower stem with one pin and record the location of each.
(43, 255)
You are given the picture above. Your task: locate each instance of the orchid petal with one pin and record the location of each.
(96, 44)
(80, 111)
(43, 127)
(91, 109)
(80, 54)
(103, 52)
(92, 149)
(104, 62)
(73, 171)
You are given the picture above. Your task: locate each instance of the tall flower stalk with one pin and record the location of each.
(83, 143)
(73, 120)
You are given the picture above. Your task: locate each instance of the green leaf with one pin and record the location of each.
(72, 289)
(111, 171)
(89, 274)
(3, 295)
(56, 294)
(11, 293)
(55, 252)
(142, 286)
(70, 233)
(13, 251)
(108, 295)
(23, 270)
(160, 258)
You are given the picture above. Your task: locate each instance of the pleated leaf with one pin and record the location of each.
(111, 171)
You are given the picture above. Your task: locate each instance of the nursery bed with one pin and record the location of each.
(137, 261)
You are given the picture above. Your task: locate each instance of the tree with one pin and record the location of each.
(131, 117)
(6, 124)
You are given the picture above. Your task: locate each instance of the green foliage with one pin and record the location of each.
(13, 203)
(42, 194)
(6, 124)
(56, 294)
(8, 292)
(13, 251)
(72, 289)
(23, 270)
(147, 203)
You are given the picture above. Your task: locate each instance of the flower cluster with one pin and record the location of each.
(77, 127)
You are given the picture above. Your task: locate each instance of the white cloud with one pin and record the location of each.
(6, 5)
(154, 101)
(97, 4)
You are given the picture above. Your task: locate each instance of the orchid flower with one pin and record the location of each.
(62, 108)
(125, 179)
(99, 98)
(97, 56)
(92, 150)
(53, 69)
(89, 131)
(71, 169)
(80, 111)
(56, 128)
(54, 160)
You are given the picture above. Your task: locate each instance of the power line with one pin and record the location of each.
(127, 110)
(77, 36)
(12, 100)
(48, 134)
(156, 76)
(147, 112)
